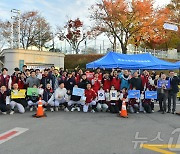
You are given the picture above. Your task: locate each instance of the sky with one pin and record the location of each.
(57, 12)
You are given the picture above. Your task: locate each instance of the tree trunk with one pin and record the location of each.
(124, 48)
(114, 44)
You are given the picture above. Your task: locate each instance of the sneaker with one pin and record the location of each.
(168, 111)
(137, 112)
(92, 111)
(31, 109)
(73, 109)
(56, 109)
(44, 109)
(152, 111)
(66, 109)
(144, 111)
(52, 109)
(78, 109)
(4, 113)
(11, 112)
(173, 112)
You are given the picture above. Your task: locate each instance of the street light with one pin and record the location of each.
(17, 17)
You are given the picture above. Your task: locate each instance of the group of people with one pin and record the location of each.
(55, 88)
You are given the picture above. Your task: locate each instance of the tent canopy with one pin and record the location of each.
(125, 61)
(178, 63)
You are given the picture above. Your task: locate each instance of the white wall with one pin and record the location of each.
(31, 57)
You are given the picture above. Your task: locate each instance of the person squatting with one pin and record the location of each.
(104, 90)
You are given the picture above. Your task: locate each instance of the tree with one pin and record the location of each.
(174, 7)
(34, 30)
(73, 33)
(126, 21)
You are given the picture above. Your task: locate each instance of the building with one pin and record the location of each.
(11, 58)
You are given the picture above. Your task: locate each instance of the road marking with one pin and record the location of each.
(11, 134)
(159, 147)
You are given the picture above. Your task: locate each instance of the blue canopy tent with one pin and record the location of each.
(124, 61)
(178, 63)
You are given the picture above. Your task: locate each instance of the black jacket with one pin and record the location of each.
(69, 83)
(136, 83)
(174, 84)
(83, 84)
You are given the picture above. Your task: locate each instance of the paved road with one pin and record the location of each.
(86, 133)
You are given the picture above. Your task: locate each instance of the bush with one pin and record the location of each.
(72, 61)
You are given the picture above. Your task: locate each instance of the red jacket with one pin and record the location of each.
(106, 84)
(116, 82)
(132, 101)
(100, 76)
(4, 81)
(21, 84)
(90, 95)
(90, 75)
(96, 86)
(145, 80)
(77, 78)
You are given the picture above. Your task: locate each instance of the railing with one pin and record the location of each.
(171, 54)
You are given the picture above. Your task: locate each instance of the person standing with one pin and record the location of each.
(162, 94)
(124, 77)
(172, 93)
(5, 79)
(32, 80)
(136, 82)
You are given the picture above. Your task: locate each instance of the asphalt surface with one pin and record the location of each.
(87, 133)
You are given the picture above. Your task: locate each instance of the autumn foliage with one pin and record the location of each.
(131, 22)
(73, 33)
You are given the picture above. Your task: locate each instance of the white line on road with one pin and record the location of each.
(11, 134)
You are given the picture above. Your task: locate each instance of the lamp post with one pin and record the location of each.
(15, 14)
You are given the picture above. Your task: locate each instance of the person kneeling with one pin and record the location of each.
(90, 95)
(19, 103)
(148, 105)
(61, 97)
(75, 102)
(47, 94)
(134, 105)
(101, 106)
(4, 100)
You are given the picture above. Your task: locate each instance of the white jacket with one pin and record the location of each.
(60, 94)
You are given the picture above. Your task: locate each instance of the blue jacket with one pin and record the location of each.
(124, 81)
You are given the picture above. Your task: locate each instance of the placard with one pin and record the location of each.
(32, 92)
(165, 83)
(101, 95)
(15, 94)
(133, 93)
(78, 91)
(150, 94)
(113, 95)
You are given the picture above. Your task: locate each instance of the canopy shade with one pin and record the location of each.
(178, 64)
(125, 61)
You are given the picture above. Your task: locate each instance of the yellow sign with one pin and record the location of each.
(18, 93)
(160, 147)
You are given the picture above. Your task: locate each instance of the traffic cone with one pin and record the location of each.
(40, 112)
(123, 110)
